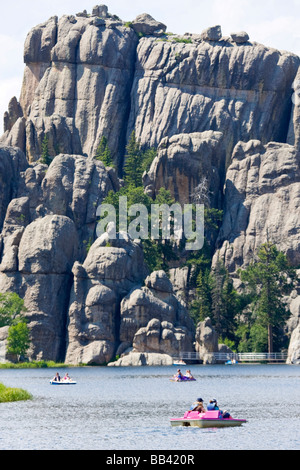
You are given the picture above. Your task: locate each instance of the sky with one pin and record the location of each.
(274, 23)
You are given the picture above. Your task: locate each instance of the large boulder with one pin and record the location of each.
(136, 359)
(110, 271)
(155, 302)
(147, 25)
(163, 338)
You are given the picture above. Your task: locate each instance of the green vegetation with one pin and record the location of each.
(11, 309)
(184, 41)
(8, 394)
(157, 253)
(18, 339)
(267, 280)
(12, 314)
(103, 153)
(253, 318)
(37, 365)
(45, 157)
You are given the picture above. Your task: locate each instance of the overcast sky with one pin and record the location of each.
(275, 23)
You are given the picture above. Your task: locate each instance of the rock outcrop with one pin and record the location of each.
(262, 199)
(183, 161)
(154, 320)
(37, 263)
(220, 109)
(206, 341)
(86, 75)
(241, 90)
(77, 84)
(111, 269)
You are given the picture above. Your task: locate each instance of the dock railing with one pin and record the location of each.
(239, 357)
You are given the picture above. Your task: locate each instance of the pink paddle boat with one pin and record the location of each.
(210, 419)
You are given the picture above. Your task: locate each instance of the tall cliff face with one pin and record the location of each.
(224, 109)
(86, 77)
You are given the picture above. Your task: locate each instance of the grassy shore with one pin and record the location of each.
(35, 365)
(8, 394)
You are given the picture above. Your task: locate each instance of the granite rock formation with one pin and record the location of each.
(221, 108)
(154, 320)
(106, 276)
(262, 200)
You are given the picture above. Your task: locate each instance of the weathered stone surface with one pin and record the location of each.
(234, 89)
(294, 347)
(197, 97)
(240, 38)
(134, 359)
(75, 186)
(154, 320)
(159, 281)
(12, 163)
(206, 340)
(175, 87)
(84, 93)
(36, 263)
(213, 33)
(3, 344)
(106, 276)
(13, 114)
(293, 137)
(147, 25)
(162, 337)
(262, 199)
(183, 161)
(294, 307)
(48, 246)
(101, 11)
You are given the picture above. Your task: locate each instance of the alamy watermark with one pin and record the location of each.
(163, 222)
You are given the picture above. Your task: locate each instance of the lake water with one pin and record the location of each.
(130, 409)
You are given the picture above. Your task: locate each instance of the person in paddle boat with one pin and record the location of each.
(67, 378)
(188, 374)
(198, 406)
(213, 405)
(179, 375)
(56, 378)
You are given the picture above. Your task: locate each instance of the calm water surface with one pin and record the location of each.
(130, 408)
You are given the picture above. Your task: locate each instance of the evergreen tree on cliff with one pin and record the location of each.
(103, 153)
(133, 168)
(269, 278)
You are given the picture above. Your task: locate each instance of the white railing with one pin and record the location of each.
(240, 357)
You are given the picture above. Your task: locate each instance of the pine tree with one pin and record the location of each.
(226, 302)
(103, 153)
(269, 278)
(45, 157)
(133, 167)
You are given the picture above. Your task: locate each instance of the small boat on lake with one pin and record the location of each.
(62, 382)
(209, 419)
(183, 379)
